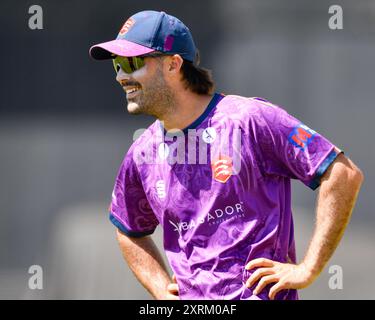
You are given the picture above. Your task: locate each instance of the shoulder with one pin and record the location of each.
(250, 109)
(142, 136)
(143, 140)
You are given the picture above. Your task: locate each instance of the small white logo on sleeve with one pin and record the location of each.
(209, 135)
(160, 189)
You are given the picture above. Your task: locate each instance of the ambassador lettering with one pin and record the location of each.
(167, 311)
(211, 217)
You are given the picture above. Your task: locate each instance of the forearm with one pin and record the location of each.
(145, 260)
(339, 189)
(337, 196)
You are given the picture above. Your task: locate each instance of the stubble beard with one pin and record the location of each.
(156, 98)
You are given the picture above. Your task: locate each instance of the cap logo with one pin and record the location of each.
(127, 25)
(168, 43)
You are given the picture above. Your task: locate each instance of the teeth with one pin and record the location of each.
(131, 90)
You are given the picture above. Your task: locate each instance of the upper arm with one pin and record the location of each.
(130, 210)
(123, 238)
(289, 148)
(342, 171)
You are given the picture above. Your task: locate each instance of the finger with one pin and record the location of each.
(275, 289)
(172, 297)
(174, 280)
(263, 282)
(258, 274)
(260, 262)
(172, 288)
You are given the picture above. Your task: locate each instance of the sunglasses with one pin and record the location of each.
(131, 64)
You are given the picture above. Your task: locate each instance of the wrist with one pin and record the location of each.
(160, 290)
(310, 271)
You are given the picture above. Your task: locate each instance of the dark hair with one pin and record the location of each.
(196, 79)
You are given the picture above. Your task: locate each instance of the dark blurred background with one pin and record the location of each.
(64, 128)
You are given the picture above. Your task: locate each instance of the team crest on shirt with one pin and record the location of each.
(222, 168)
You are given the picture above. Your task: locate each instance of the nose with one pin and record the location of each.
(122, 76)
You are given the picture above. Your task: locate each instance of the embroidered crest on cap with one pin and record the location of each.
(127, 25)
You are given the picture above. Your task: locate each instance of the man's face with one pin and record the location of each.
(146, 89)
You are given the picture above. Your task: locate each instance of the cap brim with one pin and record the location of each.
(124, 48)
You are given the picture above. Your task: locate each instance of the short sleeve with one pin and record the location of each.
(129, 209)
(289, 148)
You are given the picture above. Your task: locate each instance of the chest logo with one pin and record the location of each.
(222, 168)
(209, 135)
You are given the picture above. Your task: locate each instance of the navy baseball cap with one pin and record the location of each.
(146, 32)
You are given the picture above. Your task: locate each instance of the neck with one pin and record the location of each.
(188, 107)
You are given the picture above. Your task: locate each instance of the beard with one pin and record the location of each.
(155, 97)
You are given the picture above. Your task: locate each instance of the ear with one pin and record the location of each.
(174, 64)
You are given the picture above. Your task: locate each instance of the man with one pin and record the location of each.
(214, 171)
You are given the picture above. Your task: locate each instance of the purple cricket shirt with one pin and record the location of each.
(221, 191)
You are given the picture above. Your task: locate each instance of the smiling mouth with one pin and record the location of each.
(130, 90)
